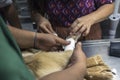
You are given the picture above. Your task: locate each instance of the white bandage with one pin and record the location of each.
(71, 46)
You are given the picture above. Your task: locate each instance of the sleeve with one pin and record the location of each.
(99, 3)
(4, 3)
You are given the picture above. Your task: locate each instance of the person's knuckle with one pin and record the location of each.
(79, 31)
(79, 19)
(82, 29)
(87, 32)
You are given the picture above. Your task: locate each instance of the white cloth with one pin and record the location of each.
(4, 3)
(71, 46)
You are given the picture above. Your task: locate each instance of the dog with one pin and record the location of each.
(43, 63)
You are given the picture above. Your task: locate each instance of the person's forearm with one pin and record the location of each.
(12, 16)
(25, 39)
(75, 72)
(102, 13)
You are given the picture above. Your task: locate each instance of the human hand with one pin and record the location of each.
(82, 25)
(49, 41)
(78, 56)
(45, 26)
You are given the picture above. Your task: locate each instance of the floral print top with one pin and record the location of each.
(64, 12)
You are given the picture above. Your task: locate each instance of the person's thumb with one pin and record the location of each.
(78, 52)
(78, 46)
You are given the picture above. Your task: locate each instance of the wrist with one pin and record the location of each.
(81, 63)
(35, 40)
(26, 40)
(30, 40)
(94, 17)
(80, 68)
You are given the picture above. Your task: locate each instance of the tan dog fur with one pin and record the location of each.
(43, 63)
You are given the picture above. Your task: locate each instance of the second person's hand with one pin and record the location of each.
(45, 26)
(48, 41)
(82, 25)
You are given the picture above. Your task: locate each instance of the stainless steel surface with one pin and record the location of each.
(101, 47)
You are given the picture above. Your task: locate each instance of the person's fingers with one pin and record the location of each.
(87, 32)
(81, 30)
(39, 30)
(54, 49)
(77, 27)
(50, 28)
(57, 48)
(45, 29)
(61, 41)
(74, 23)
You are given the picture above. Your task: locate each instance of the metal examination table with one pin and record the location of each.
(93, 47)
(101, 47)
